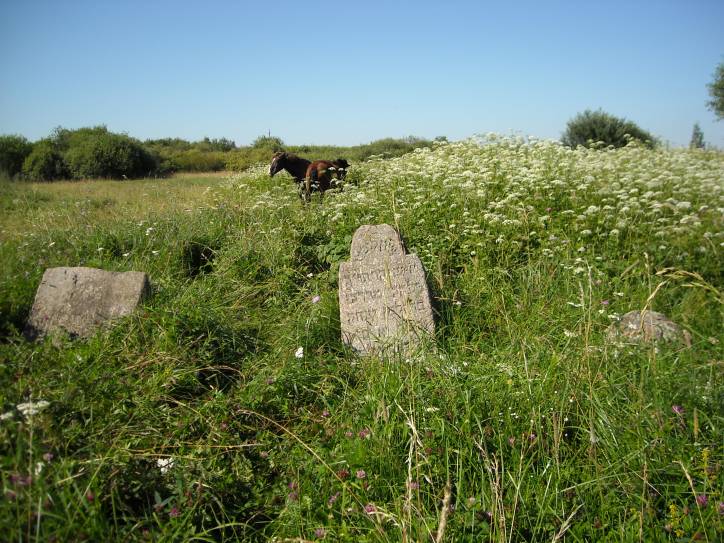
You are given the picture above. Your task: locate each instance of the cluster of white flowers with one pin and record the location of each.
(505, 190)
(165, 464)
(30, 409)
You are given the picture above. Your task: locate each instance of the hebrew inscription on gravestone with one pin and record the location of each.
(384, 302)
(80, 300)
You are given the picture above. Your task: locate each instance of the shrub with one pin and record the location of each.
(268, 142)
(243, 158)
(97, 152)
(199, 161)
(591, 127)
(218, 145)
(45, 163)
(13, 152)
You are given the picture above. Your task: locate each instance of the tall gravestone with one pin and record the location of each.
(384, 302)
(79, 300)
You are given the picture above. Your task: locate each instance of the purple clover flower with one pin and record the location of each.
(333, 498)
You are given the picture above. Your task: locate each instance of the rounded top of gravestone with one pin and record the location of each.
(371, 241)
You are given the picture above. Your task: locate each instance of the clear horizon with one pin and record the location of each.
(345, 73)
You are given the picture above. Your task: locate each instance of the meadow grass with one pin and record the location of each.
(199, 418)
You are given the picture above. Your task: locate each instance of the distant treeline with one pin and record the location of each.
(96, 152)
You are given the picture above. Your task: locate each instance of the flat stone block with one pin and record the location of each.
(80, 300)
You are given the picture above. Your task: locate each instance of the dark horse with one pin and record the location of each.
(323, 174)
(296, 166)
(319, 175)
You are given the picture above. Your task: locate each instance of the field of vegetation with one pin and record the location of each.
(227, 408)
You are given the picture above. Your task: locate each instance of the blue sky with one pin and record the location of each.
(352, 72)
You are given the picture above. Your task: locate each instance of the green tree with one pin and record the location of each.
(98, 153)
(697, 138)
(716, 91)
(13, 152)
(593, 127)
(268, 142)
(45, 162)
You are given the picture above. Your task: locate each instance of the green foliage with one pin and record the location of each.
(178, 155)
(592, 128)
(195, 160)
(716, 91)
(95, 152)
(45, 163)
(219, 145)
(13, 152)
(246, 157)
(271, 143)
(697, 138)
(98, 153)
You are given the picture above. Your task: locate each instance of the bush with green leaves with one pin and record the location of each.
(45, 163)
(98, 153)
(268, 142)
(13, 151)
(591, 128)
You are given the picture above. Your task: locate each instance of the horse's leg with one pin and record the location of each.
(307, 190)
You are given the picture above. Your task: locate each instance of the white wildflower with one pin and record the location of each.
(29, 409)
(299, 353)
(165, 464)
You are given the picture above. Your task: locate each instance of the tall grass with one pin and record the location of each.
(200, 418)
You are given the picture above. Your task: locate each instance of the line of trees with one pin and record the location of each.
(96, 152)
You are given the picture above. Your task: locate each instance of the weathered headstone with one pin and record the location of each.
(384, 302)
(649, 326)
(79, 300)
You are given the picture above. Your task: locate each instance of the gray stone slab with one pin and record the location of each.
(80, 300)
(384, 301)
(648, 326)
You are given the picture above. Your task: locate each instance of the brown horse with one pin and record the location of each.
(296, 166)
(308, 175)
(321, 175)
